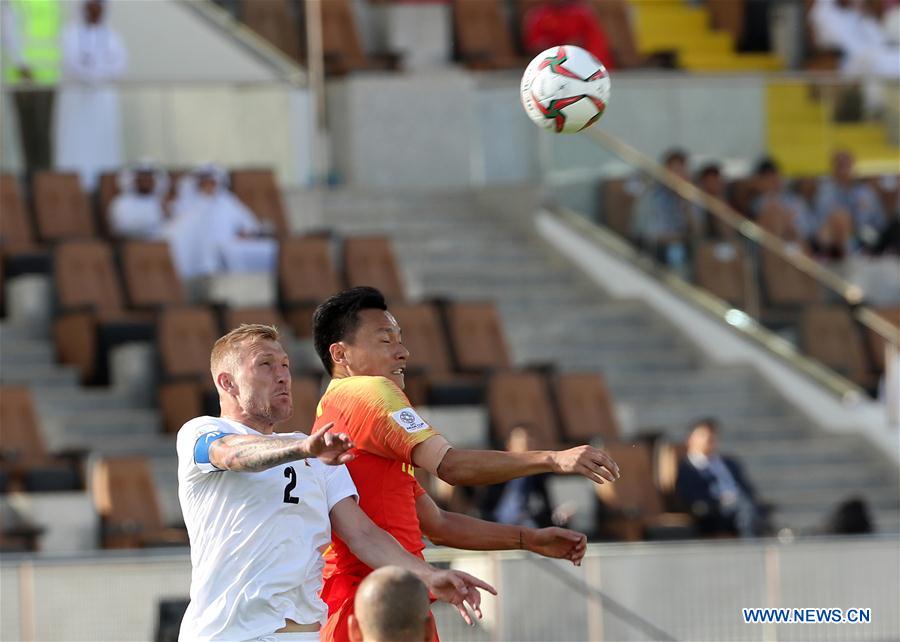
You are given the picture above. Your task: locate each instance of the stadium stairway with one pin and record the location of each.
(675, 25)
(802, 133)
(479, 245)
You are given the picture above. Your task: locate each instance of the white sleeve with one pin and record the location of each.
(338, 485)
(194, 441)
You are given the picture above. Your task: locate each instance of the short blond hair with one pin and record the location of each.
(226, 350)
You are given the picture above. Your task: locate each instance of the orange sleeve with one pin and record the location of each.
(377, 416)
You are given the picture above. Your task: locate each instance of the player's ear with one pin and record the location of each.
(354, 630)
(338, 353)
(225, 382)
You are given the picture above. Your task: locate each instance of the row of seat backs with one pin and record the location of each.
(63, 211)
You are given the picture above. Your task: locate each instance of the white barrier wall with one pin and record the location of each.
(688, 590)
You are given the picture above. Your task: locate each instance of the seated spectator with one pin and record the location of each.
(139, 211)
(391, 605)
(572, 22)
(664, 223)
(778, 210)
(857, 202)
(213, 232)
(852, 27)
(710, 180)
(523, 501)
(851, 517)
(713, 488)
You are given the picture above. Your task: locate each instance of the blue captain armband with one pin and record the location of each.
(201, 450)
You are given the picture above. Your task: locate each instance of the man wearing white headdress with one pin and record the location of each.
(87, 123)
(213, 232)
(139, 211)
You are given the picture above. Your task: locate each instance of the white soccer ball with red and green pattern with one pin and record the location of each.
(565, 89)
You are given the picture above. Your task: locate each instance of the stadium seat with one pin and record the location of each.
(305, 392)
(149, 274)
(16, 233)
(483, 38)
(830, 335)
(617, 206)
(17, 534)
(585, 408)
(522, 399)
(91, 313)
(61, 207)
(666, 457)
(185, 337)
(477, 341)
(306, 277)
(785, 285)
(370, 260)
(343, 45)
(107, 190)
(259, 191)
(632, 508)
(235, 317)
(24, 459)
(126, 500)
(719, 269)
(430, 365)
(274, 21)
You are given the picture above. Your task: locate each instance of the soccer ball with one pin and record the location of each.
(565, 89)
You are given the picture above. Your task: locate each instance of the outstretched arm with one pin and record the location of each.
(483, 467)
(377, 548)
(255, 453)
(461, 531)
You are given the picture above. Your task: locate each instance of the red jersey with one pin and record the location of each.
(549, 25)
(384, 428)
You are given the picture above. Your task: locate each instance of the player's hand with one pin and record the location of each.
(559, 543)
(330, 448)
(458, 588)
(586, 461)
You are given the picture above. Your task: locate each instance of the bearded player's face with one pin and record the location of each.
(264, 381)
(376, 348)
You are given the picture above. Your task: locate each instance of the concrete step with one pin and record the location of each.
(41, 374)
(63, 401)
(92, 428)
(22, 352)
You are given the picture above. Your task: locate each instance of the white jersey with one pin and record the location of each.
(256, 538)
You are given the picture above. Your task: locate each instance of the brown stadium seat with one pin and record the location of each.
(235, 317)
(483, 38)
(342, 43)
(149, 274)
(274, 21)
(522, 399)
(16, 234)
(107, 190)
(831, 335)
(61, 207)
(306, 392)
(430, 378)
(666, 457)
(91, 314)
(785, 285)
(876, 342)
(632, 508)
(719, 269)
(306, 277)
(125, 498)
(618, 206)
(186, 336)
(585, 408)
(370, 260)
(476, 337)
(23, 455)
(259, 191)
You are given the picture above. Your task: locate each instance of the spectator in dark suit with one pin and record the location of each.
(524, 501)
(714, 488)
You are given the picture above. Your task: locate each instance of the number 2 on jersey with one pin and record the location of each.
(291, 474)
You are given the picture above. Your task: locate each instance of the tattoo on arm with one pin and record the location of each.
(250, 454)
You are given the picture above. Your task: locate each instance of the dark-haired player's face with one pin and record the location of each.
(376, 349)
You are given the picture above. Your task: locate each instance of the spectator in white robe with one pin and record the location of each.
(87, 123)
(139, 210)
(851, 27)
(213, 232)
